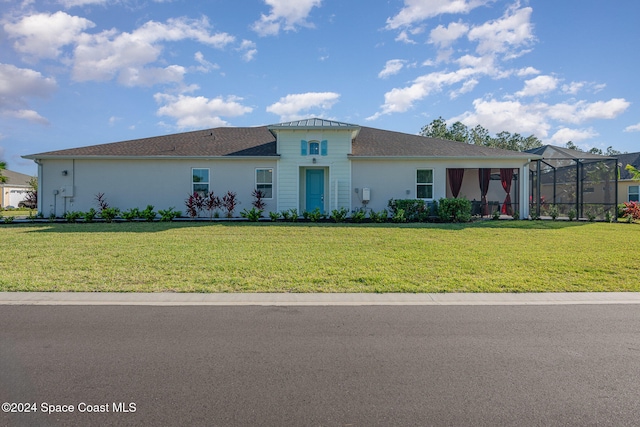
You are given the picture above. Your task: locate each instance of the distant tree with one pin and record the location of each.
(571, 146)
(479, 136)
(611, 152)
(3, 166)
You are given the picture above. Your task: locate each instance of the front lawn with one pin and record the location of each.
(486, 256)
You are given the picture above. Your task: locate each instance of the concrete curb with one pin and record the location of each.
(329, 299)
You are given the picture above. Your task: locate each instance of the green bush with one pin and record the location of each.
(252, 215)
(148, 214)
(109, 214)
(315, 215)
(454, 210)
(73, 216)
(168, 214)
(339, 215)
(90, 215)
(399, 216)
(414, 209)
(274, 216)
(358, 216)
(379, 216)
(554, 212)
(131, 214)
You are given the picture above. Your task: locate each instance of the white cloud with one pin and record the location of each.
(249, 49)
(285, 14)
(198, 111)
(399, 100)
(72, 3)
(523, 72)
(511, 116)
(445, 36)
(415, 11)
(466, 88)
(297, 106)
(573, 88)
(393, 66)
(538, 86)
(44, 35)
(633, 128)
(403, 37)
(18, 84)
(108, 54)
(506, 34)
(582, 111)
(205, 66)
(565, 135)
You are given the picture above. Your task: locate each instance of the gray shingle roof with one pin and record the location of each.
(260, 141)
(224, 141)
(16, 179)
(373, 142)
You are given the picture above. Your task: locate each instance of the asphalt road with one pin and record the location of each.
(321, 366)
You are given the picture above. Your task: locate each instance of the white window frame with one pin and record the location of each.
(426, 184)
(193, 182)
(635, 193)
(264, 183)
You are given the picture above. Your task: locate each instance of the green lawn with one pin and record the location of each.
(486, 256)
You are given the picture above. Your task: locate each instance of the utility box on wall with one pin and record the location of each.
(366, 195)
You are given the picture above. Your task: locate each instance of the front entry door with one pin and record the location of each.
(315, 189)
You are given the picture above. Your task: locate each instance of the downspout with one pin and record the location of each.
(538, 188)
(39, 192)
(615, 207)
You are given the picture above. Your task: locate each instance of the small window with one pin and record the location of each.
(314, 148)
(424, 184)
(264, 182)
(634, 193)
(200, 181)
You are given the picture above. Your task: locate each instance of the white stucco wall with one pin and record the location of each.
(138, 183)
(396, 178)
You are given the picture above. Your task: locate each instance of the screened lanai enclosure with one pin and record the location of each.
(573, 183)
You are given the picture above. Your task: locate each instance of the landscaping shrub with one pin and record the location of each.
(380, 216)
(631, 211)
(399, 216)
(90, 215)
(315, 215)
(130, 214)
(274, 216)
(252, 215)
(454, 210)
(554, 212)
(229, 203)
(211, 204)
(168, 214)
(414, 209)
(358, 216)
(148, 214)
(73, 216)
(109, 214)
(258, 203)
(339, 215)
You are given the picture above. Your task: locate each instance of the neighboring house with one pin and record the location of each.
(15, 189)
(628, 189)
(301, 165)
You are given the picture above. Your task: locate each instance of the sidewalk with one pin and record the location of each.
(289, 299)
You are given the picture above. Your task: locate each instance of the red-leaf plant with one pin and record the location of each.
(194, 204)
(258, 203)
(211, 203)
(631, 210)
(229, 203)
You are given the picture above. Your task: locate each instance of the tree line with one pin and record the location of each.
(479, 135)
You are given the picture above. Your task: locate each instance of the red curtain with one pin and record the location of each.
(455, 180)
(506, 176)
(484, 176)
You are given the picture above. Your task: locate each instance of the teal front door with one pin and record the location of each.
(315, 189)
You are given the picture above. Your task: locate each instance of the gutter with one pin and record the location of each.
(38, 157)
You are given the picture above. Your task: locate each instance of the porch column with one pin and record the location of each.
(524, 191)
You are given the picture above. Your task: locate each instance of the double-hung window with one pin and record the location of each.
(424, 184)
(264, 182)
(200, 181)
(634, 193)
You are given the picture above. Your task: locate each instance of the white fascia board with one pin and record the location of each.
(522, 158)
(45, 157)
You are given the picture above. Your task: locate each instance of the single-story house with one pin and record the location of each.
(15, 189)
(303, 165)
(628, 189)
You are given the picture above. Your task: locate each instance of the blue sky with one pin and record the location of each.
(83, 72)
